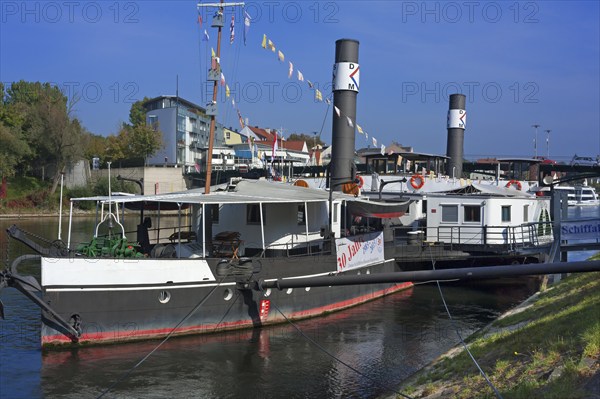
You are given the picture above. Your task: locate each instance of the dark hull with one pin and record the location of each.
(111, 314)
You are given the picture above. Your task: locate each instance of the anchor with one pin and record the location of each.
(30, 287)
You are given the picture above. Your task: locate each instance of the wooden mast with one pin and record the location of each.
(213, 117)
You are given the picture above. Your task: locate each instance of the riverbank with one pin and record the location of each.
(549, 346)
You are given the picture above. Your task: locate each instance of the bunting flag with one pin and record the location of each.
(233, 102)
(227, 92)
(268, 43)
(200, 19)
(212, 52)
(240, 119)
(222, 79)
(246, 25)
(318, 95)
(205, 38)
(274, 145)
(232, 30)
(213, 62)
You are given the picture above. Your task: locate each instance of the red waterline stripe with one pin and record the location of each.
(122, 336)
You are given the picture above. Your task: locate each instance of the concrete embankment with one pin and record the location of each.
(547, 347)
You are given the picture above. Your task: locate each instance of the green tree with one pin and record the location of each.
(137, 113)
(48, 126)
(141, 141)
(14, 147)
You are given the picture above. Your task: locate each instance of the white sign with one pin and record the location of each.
(580, 230)
(457, 118)
(358, 251)
(346, 76)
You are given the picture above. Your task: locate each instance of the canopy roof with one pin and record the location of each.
(244, 192)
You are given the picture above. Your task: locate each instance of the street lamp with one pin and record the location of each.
(535, 139)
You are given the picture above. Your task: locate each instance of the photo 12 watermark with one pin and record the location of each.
(52, 12)
(452, 12)
(268, 91)
(292, 12)
(489, 92)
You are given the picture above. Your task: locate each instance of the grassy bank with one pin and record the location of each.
(548, 347)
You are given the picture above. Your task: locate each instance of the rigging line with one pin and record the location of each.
(460, 336)
(319, 135)
(200, 58)
(321, 348)
(191, 312)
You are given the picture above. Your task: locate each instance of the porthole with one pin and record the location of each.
(368, 271)
(289, 291)
(227, 294)
(267, 292)
(164, 296)
(307, 289)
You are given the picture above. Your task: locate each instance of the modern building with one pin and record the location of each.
(185, 127)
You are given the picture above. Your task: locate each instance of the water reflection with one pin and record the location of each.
(387, 340)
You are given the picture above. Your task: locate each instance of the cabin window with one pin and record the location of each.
(525, 213)
(301, 215)
(253, 214)
(472, 213)
(506, 213)
(449, 213)
(335, 212)
(214, 213)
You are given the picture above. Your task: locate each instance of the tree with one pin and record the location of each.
(51, 132)
(137, 113)
(14, 147)
(140, 141)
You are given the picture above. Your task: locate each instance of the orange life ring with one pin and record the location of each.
(517, 184)
(300, 183)
(360, 181)
(414, 179)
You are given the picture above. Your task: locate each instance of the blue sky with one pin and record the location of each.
(519, 63)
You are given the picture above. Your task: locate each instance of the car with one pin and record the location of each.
(583, 161)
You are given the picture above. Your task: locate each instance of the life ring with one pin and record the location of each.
(516, 183)
(360, 181)
(300, 183)
(417, 181)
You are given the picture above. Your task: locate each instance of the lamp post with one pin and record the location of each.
(548, 143)
(535, 126)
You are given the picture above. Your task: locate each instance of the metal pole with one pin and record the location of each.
(548, 143)
(469, 273)
(535, 126)
(62, 177)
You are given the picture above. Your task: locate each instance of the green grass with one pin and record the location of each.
(560, 329)
(21, 186)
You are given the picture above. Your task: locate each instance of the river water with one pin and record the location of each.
(361, 352)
